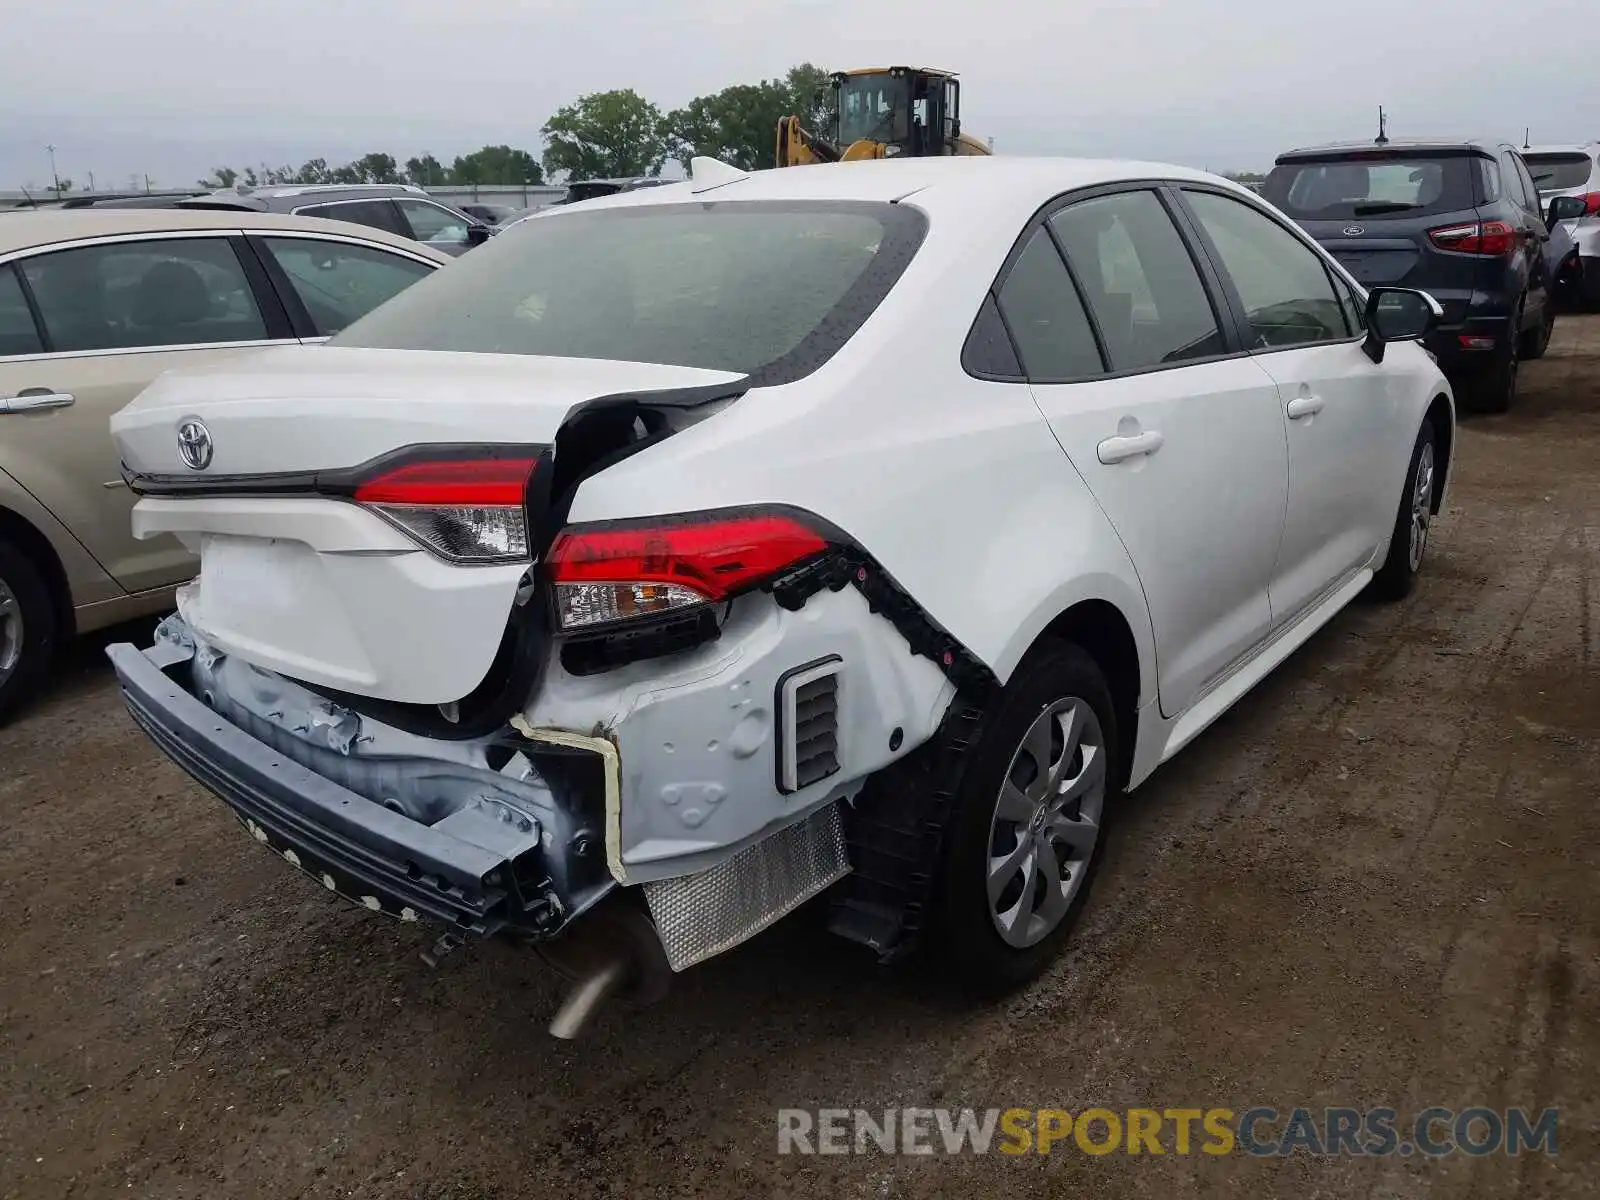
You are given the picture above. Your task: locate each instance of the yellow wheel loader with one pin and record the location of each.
(883, 112)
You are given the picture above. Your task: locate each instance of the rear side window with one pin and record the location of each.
(340, 282)
(131, 295)
(1375, 184)
(18, 334)
(377, 213)
(1045, 316)
(771, 290)
(1287, 292)
(1139, 279)
(1560, 172)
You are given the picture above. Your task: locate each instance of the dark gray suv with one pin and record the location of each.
(1458, 220)
(392, 207)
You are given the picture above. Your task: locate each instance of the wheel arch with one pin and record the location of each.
(19, 531)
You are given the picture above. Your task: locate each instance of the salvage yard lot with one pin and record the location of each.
(1375, 882)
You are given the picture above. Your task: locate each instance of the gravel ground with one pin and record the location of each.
(1375, 882)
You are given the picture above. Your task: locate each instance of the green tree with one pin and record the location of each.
(377, 168)
(425, 171)
(739, 124)
(606, 134)
(221, 177)
(315, 171)
(496, 164)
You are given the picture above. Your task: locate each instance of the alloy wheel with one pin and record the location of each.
(1421, 505)
(10, 631)
(1046, 822)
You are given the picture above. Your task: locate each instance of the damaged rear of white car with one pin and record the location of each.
(663, 565)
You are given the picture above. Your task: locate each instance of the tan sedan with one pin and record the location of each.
(94, 304)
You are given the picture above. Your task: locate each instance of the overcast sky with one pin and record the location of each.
(175, 87)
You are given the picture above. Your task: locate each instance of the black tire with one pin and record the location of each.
(24, 588)
(1398, 575)
(1496, 392)
(965, 932)
(1537, 340)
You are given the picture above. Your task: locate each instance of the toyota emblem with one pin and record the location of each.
(194, 445)
(1353, 231)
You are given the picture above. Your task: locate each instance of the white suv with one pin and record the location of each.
(1571, 175)
(862, 528)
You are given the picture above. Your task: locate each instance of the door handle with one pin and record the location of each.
(1304, 406)
(33, 401)
(1116, 449)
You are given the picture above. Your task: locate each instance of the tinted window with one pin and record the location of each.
(174, 292)
(988, 351)
(1520, 194)
(1560, 172)
(430, 223)
(752, 287)
(376, 213)
(18, 334)
(1141, 284)
(1288, 295)
(1045, 316)
(1489, 180)
(1355, 313)
(338, 282)
(1528, 189)
(1374, 185)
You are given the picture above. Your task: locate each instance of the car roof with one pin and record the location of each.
(954, 179)
(1397, 144)
(26, 230)
(1589, 148)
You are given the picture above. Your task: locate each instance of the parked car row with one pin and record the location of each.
(94, 304)
(697, 549)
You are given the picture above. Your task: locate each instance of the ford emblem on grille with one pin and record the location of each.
(194, 444)
(1353, 231)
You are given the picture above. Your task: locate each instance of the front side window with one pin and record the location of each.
(136, 294)
(1139, 279)
(378, 214)
(340, 282)
(765, 289)
(431, 223)
(18, 334)
(1286, 289)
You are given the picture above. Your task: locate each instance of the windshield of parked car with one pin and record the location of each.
(1559, 172)
(748, 287)
(1371, 185)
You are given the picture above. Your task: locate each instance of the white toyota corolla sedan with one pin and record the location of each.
(863, 529)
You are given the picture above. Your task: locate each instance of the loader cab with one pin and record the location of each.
(897, 112)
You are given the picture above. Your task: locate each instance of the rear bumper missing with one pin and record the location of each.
(484, 875)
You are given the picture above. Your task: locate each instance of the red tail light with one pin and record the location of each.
(613, 573)
(1591, 204)
(1492, 239)
(467, 509)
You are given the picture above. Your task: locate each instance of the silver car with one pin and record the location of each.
(1573, 173)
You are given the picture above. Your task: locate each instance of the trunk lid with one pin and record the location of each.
(299, 579)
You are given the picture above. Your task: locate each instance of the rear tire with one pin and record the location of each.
(1496, 392)
(27, 629)
(1026, 835)
(1408, 543)
(1537, 340)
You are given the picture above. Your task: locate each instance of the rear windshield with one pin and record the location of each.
(768, 290)
(1344, 188)
(1559, 172)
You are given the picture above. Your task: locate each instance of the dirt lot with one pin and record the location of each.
(1376, 882)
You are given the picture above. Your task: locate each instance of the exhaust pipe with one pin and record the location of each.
(586, 996)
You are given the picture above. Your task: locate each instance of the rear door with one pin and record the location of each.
(112, 316)
(1177, 434)
(1343, 414)
(1374, 210)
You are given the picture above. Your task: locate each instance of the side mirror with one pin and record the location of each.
(477, 235)
(1398, 315)
(1565, 208)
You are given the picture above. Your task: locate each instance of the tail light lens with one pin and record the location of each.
(604, 574)
(1591, 204)
(467, 510)
(1492, 239)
